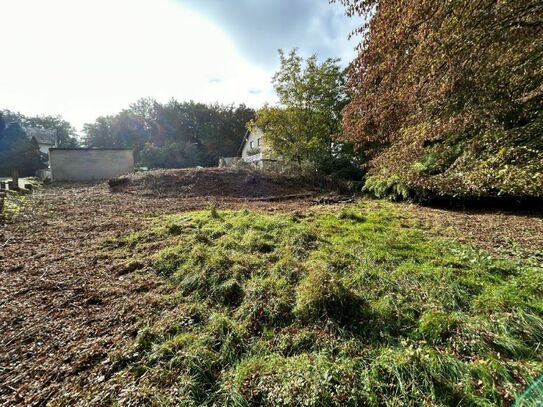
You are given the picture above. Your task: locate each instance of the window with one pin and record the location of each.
(251, 144)
(258, 141)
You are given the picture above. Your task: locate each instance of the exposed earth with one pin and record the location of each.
(64, 305)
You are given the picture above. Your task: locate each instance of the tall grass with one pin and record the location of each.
(348, 308)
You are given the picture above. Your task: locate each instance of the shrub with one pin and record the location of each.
(391, 187)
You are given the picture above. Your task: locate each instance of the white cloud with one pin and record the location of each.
(82, 59)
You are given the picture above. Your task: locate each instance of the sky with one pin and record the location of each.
(82, 59)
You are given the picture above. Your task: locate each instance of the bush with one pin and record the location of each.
(391, 187)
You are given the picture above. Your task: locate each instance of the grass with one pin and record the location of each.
(15, 202)
(351, 308)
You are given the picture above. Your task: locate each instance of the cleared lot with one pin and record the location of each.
(70, 303)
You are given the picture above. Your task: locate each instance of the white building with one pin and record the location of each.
(255, 150)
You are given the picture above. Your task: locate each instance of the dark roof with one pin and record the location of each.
(240, 149)
(42, 136)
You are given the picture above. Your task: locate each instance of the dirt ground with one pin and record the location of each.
(64, 306)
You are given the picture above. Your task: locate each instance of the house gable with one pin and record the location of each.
(46, 138)
(254, 141)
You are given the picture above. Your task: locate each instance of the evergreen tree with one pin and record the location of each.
(17, 152)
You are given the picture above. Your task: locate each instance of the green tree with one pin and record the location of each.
(306, 124)
(18, 152)
(174, 134)
(66, 133)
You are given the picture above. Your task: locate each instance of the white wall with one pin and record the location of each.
(253, 136)
(89, 164)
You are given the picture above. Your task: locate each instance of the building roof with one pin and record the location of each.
(240, 149)
(42, 136)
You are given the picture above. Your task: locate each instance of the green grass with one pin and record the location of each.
(351, 308)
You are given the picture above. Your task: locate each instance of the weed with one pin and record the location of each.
(333, 309)
(322, 296)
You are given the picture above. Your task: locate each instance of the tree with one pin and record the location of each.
(306, 124)
(447, 95)
(2, 124)
(66, 133)
(18, 152)
(174, 134)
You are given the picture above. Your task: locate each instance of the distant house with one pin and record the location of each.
(46, 138)
(255, 150)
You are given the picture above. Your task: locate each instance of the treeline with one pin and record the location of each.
(173, 134)
(18, 152)
(447, 97)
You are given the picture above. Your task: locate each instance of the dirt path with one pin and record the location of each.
(63, 306)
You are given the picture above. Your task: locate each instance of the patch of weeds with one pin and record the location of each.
(268, 303)
(436, 326)
(213, 212)
(331, 309)
(14, 204)
(322, 296)
(283, 381)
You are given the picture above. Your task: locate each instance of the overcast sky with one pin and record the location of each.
(82, 59)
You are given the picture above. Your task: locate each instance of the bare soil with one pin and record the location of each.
(64, 305)
(217, 182)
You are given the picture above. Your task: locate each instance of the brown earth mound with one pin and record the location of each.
(216, 182)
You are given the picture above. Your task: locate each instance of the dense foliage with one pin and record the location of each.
(357, 307)
(66, 133)
(174, 134)
(448, 96)
(306, 124)
(17, 151)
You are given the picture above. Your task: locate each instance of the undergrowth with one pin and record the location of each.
(14, 204)
(16, 201)
(350, 308)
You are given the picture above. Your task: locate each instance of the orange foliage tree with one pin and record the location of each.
(447, 96)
